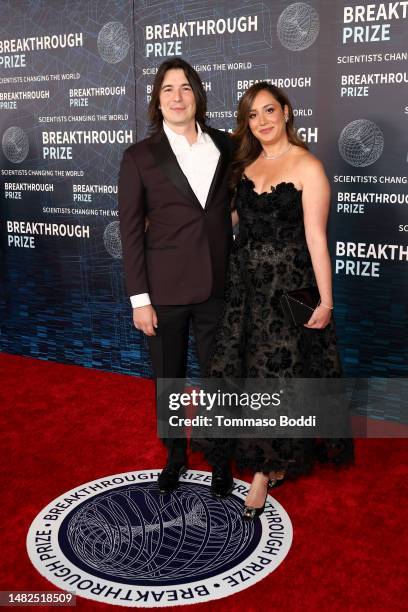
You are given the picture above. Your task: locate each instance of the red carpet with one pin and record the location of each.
(65, 425)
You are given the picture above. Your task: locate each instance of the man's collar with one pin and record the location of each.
(174, 137)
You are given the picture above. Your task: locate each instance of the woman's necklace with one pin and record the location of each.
(278, 155)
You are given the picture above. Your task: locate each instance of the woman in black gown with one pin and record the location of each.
(282, 203)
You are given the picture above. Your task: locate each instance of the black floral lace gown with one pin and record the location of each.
(254, 339)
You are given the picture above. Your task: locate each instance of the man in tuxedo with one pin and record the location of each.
(174, 184)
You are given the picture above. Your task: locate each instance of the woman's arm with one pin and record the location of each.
(316, 205)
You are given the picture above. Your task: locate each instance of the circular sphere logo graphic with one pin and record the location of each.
(113, 42)
(112, 241)
(119, 540)
(361, 143)
(15, 144)
(298, 26)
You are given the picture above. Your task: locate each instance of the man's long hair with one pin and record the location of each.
(155, 114)
(249, 147)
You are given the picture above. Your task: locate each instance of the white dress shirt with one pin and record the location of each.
(198, 162)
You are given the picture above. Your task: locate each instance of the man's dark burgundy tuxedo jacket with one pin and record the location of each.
(182, 257)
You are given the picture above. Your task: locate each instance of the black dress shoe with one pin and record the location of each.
(250, 512)
(169, 477)
(222, 481)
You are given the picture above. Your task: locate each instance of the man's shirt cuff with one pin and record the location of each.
(142, 299)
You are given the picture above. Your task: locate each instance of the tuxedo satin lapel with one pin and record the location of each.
(221, 166)
(167, 161)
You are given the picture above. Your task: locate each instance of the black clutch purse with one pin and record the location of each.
(298, 305)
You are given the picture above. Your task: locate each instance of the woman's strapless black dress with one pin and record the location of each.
(254, 339)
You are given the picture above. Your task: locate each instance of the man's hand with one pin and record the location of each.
(145, 319)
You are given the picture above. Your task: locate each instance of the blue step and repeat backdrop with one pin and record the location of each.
(75, 80)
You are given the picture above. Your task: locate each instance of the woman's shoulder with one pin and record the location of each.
(306, 163)
(305, 157)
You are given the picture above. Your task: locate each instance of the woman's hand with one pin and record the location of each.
(320, 318)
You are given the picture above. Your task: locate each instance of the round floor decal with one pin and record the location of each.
(118, 540)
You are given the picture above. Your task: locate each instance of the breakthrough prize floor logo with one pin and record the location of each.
(118, 540)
